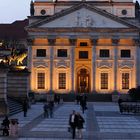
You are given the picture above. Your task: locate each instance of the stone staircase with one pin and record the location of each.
(14, 106)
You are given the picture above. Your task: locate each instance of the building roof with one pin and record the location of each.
(14, 31)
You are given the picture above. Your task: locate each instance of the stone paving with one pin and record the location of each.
(102, 122)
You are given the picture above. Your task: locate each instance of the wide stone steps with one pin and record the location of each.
(14, 106)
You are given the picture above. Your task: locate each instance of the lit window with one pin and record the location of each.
(104, 53)
(41, 81)
(62, 53)
(125, 53)
(104, 80)
(62, 80)
(125, 80)
(41, 52)
(83, 54)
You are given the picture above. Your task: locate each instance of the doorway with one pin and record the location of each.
(83, 81)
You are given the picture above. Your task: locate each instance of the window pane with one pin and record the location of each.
(125, 53)
(104, 53)
(62, 80)
(125, 80)
(41, 53)
(83, 44)
(62, 53)
(104, 80)
(83, 54)
(41, 80)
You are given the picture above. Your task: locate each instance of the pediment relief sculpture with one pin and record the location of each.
(40, 64)
(127, 64)
(104, 64)
(62, 64)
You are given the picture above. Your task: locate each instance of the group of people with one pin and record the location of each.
(82, 100)
(48, 109)
(76, 121)
(9, 127)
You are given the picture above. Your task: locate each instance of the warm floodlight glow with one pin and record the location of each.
(20, 67)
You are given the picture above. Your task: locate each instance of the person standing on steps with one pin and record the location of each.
(25, 108)
(73, 123)
(80, 122)
(5, 125)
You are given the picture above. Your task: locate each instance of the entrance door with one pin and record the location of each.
(83, 81)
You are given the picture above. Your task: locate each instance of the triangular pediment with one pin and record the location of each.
(82, 15)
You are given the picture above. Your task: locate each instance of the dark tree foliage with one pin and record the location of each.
(135, 93)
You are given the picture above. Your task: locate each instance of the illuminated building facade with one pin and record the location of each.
(83, 46)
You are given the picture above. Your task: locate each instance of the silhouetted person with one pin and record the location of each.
(25, 108)
(5, 124)
(51, 107)
(73, 122)
(46, 110)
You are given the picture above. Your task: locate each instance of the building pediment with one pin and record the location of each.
(82, 15)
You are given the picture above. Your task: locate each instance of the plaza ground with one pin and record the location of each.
(102, 122)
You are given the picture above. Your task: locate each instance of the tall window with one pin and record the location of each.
(125, 80)
(62, 80)
(125, 53)
(62, 53)
(83, 54)
(41, 81)
(104, 53)
(104, 80)
(41, 53)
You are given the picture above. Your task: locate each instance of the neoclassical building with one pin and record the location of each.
(83, 46)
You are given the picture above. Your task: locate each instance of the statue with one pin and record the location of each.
(137, 7)
(32, 10)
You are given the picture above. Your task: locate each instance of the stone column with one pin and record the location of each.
(93, 69)
(29, 60)
(51, 43)
(137, 61)
(72, 62)
(3, 91)
(115, 45)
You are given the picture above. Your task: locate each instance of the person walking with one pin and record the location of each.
(46, 107)
(14, 128)
(25, 108)
(73, 123)
(83, 105)
(51, 107)
(5, 126)
(80, 121)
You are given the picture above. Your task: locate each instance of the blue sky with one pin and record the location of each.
(11, 10)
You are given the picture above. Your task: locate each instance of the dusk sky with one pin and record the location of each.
(11, 10)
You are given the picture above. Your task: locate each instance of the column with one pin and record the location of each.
(115, 45)
(72, 62)
(51, 43)
(93, 69)
(137, 61)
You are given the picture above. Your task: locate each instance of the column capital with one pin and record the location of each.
(94, 41)
(72, 41)
(30, 41)
(136, 41)
(115, 41)
(51, 41)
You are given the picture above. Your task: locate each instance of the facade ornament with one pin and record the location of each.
(30, 41)
(72, 41)
(51, 41)
(115, 41)
(32, 10)
(137, 42)
(94, 41)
